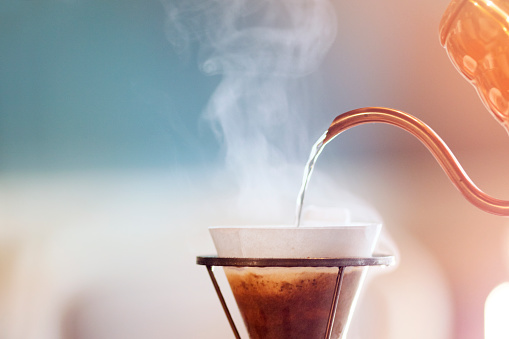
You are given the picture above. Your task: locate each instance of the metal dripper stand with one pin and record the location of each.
(340, 263)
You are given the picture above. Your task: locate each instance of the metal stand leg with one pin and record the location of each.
(223, 303)
(334, 305)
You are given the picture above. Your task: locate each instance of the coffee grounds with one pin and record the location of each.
(291, 303)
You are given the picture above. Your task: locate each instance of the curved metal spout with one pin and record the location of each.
(433, 143)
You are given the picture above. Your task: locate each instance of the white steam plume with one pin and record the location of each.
(263, 49)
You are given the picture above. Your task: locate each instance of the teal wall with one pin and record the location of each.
(96, 84)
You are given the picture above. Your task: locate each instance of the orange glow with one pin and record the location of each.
(476, 31)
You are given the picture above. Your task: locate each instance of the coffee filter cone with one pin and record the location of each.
(354, 240)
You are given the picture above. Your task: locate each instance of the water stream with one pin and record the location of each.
(315, 152)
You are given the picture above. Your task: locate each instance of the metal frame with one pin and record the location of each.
(340, 263)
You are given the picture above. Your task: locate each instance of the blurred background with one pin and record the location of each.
(128, 127)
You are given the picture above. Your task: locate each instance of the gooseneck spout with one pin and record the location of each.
(433, 143)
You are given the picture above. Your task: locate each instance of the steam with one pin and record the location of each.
(263, 50)
(286, 38)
